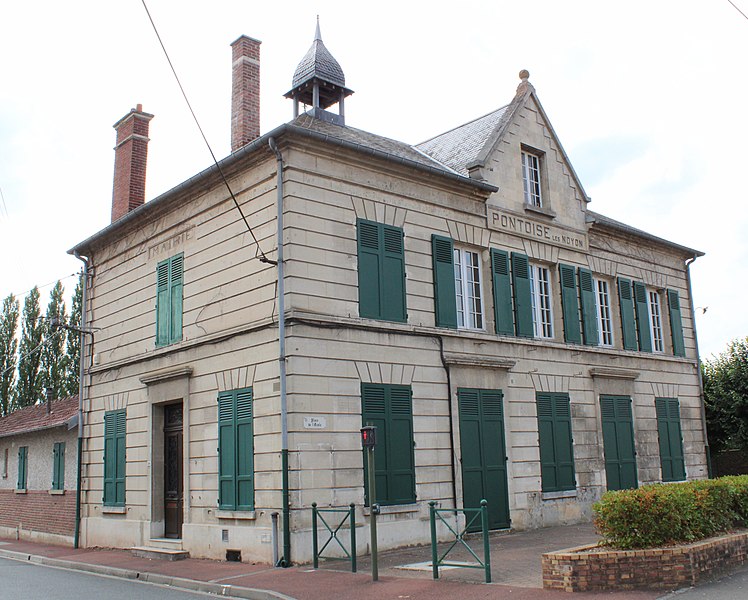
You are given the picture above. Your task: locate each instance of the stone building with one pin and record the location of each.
(38, 472)
(509, 343)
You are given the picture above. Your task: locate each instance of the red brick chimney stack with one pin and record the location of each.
(130, 156)
(245, 91)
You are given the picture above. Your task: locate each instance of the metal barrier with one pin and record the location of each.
(481, 512)
(350, 515)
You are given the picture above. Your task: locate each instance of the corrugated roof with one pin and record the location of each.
(36, 418)
(460, 146)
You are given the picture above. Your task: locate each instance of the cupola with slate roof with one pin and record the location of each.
(319, 82)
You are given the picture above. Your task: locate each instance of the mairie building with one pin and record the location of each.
(508, 343)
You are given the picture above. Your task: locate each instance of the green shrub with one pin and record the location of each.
(665, 514)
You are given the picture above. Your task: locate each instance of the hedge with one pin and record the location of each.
(666, 514)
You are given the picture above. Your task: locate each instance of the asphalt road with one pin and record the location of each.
(24, 581)
(732, 587)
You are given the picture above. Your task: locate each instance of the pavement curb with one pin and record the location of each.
(218, 589)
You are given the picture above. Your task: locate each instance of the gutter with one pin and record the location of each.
(702, 404)
(81, 387)
(285, 560)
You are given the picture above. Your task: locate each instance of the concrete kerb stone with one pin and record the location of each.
(218, 589)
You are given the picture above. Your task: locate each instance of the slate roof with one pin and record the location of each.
(36, 418)
(461, 146)
(319, 63)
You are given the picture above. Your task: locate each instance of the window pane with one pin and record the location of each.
(468, 289)
(459, 288)
(542, 312)
(604, 322)
(655, 321)
(531, 179)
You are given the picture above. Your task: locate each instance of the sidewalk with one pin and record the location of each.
(515, 561)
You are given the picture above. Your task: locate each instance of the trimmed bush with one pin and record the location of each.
(666, 514)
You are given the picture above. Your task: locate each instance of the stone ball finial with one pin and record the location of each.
(524, 75)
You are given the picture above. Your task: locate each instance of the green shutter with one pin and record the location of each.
(676, 325)
(671, 441)
(570, 304)
(381, 271)
(236, 489)
(522, 294)
(445, 299)
(628, 325)
(163, 308)
(556, 443)
(502, 292)
(389, 409)
(115, 428)
(226, 452)
(589, 310)
(22, 467)
(393, 274)
(642, 317)
(175, 292)
(618, 442)
(58, 466)
(245, 451)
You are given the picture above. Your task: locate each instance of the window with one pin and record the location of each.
(468, 289)
(236, 488)
(115, 429)
(390, 409)
(381, 271)
(23, 457)
(542, 313)
(58, 466)
(169, 274)
(604, 321)
(556, 443)
(531, 179)
(655, 322)
(671, 442)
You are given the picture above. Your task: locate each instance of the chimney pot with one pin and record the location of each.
(130, 155)
(245, 91)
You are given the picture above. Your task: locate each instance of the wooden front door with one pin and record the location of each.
(173, 501)
(483, 449)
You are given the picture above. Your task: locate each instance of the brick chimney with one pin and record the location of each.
(245, 91)
(130, 156)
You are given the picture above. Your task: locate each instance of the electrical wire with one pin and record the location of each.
(736, 8)
(5, 206)
(30, 352)
(46, 285)
(258, 250)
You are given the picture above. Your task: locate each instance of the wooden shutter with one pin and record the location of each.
(589, 310)
(676, 325)
(381, 271)
(570, 304)
(389, 409)
(522, 294)
(121, 458)
(671, 440)
(245, 450)
(628, 326)
(556, 442)
(502, 292)
(22, 467)
(176, 276)
(642, 317)
(115, 428)
(58, 466)
(226, 451)
(445, 299)
(618, 442)
(163, 308)
(393, 274)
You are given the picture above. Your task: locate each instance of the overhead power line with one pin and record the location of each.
(736, 8)
(258, 250)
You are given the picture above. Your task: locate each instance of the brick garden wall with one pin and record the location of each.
(38, 511)
(575, 570)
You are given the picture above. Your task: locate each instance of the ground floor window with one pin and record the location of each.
(236, 487)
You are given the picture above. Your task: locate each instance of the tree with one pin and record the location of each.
(29, 383)
(74, 341)
(53, 358)
(8, 348)
(726, 397)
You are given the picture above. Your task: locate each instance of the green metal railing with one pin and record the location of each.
(482, 513)
(350, 516)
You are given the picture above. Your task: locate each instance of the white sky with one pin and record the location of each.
(648, 98)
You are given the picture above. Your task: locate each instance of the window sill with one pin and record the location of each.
(56, 492)
(394, 509)
(114, 510)
(559, 495)
(239, 515)
(540, 211)
(21, 491)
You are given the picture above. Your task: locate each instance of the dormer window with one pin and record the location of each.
(531, 179)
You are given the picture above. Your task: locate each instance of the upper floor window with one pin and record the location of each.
(169, 283)
(542, 311)
(604, 320)
(468, 289)
(381, 271)
(531, 179)
(655, 321)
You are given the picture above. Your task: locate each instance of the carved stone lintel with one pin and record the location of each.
(614, 373)
(472, 360)
(166, 374)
